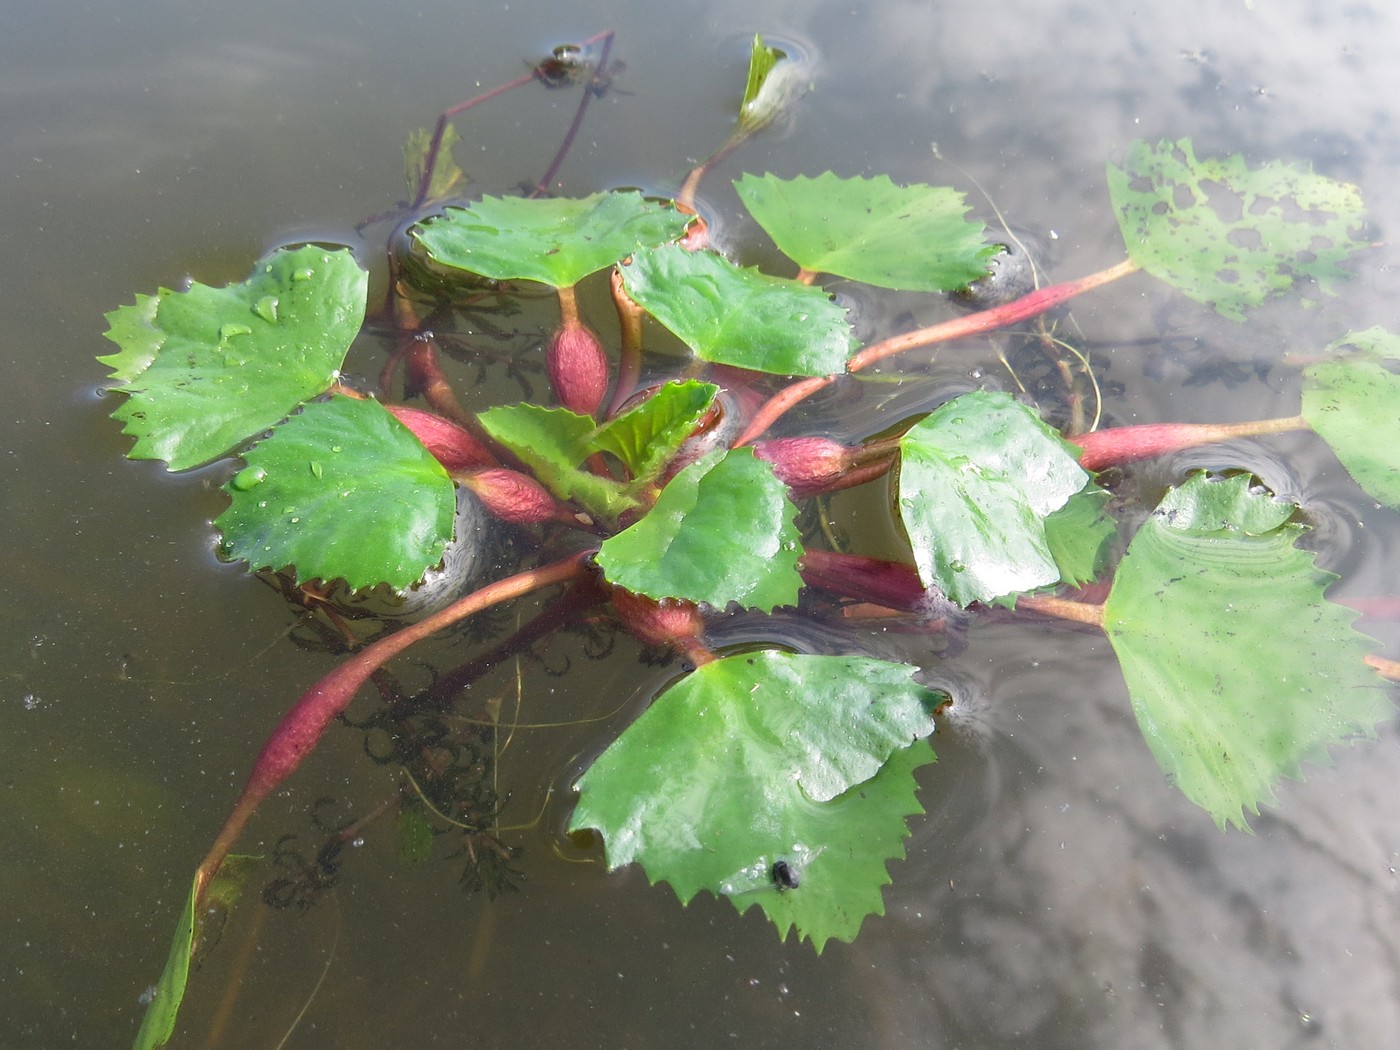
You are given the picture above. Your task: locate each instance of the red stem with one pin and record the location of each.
(1116, 445)
(302, 727)
(629, 367)
(891, 584)
(440, 128)
(1022, 309)
(594, 82)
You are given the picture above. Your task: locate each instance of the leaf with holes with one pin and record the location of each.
(1228, 235)
(764, 759)
(1238, 668)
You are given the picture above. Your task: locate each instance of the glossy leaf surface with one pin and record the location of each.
(1229, 235)
(556, 241)
(553, 442)
(1238, 669)
(1079, 536)
(646, 436)
(768, 757)
(735, 316)
(342, 490)
(913, 238)
(977, 479)
(207, 368)
(721, 531)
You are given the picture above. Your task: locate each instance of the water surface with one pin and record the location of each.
(1058, 894)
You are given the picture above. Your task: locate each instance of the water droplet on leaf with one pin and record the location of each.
(228, 331)
(266, 308)
(249, 477)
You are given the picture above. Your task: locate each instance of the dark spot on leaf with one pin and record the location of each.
(1243, 237)
(784, 877)
(1226, 203)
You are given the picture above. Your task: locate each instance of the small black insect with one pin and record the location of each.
(785, 877)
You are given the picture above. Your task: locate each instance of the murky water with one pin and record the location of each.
(1057, 893)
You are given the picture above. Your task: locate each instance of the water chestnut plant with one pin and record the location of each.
(661, 492)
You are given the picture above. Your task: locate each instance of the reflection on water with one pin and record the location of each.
(1056, 894)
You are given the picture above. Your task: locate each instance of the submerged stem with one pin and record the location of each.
(440, 128)
(1022, 309)
(1080, 612)
(301, 728)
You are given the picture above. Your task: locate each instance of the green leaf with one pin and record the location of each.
(556, 241)
(553, 442)
(977, 479)
(1227, 235)
(169, 992)
(1353, 403)
(768, 757)
(740, 317)
(447, 176)
(208, 368)
(756, 109)
(1238, 669)
(913, 238)
(721, 531)
(134, 329)
(774, 81)
(1375, 341)
(648, 434)
(1079, 535)
(342, 490)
